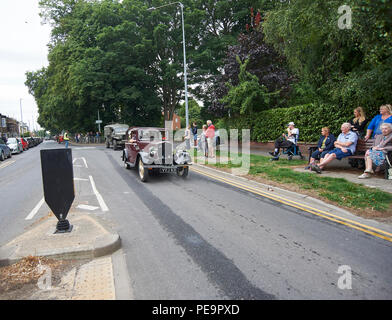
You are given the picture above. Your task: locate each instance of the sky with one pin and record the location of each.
(23, 47)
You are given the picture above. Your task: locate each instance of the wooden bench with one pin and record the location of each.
(362, 147)
(360, 150)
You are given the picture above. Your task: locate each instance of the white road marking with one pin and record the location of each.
(85, 162)
(102, 203)
(80, 179)
(86, 207)
(35, 210)
(6, 164)
(78, 165)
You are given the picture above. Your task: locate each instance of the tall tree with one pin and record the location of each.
(350, 66)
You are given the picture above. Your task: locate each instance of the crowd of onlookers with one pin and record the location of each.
(205, 141)
(89, 137)
(329, 148)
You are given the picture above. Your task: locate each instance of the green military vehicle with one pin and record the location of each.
(115, 135)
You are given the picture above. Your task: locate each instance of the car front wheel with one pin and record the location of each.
(126, 165)
(183, 171)
(143, 174)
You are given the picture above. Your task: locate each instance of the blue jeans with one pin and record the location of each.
(66, 143)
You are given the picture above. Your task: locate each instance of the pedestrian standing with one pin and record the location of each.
(66, 139)
(203, 141)
(90, 137)
(210, 134)
(194, 132)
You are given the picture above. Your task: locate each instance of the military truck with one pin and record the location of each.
(115, 135)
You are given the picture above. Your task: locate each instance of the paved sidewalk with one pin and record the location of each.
(91, 281)
(89, 239)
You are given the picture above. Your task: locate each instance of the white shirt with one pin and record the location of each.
(294, 135)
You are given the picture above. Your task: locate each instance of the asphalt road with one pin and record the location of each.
(197, 238)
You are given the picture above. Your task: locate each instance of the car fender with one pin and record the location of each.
(146, 157)
(125, 154)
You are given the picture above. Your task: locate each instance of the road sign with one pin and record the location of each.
(57, 177)
(98, 121)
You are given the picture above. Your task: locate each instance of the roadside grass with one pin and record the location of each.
(337, 190)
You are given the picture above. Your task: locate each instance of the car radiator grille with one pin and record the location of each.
(166, 150)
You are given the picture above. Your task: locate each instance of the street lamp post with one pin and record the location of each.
(21, 117)
(183, 45)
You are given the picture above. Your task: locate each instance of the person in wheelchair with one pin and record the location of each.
(288, 140)
(325, 144)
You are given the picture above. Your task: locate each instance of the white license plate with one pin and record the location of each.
(167, 170)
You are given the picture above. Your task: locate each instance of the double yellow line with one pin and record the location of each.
(347, 222)
(6, 164)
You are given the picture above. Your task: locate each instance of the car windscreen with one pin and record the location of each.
(12, 141)
(151, 135)
(120, 130)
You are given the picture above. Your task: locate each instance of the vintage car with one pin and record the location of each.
(115, 135)
(151, 151)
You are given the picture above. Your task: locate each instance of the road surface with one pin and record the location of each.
(198, 238)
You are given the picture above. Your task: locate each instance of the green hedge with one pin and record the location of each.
(309, 119)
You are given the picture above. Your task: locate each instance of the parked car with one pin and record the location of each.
(60, 138)
(31, 141)
(5, 151)
(150, 151)
(15, 145)
(115, 135)
(25, 144)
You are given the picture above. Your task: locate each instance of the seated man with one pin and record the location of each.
(344, 147)
(325, 144)
(286, 140)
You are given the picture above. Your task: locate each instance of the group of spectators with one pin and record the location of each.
(205, 141)
(330, 148)
(89, 137)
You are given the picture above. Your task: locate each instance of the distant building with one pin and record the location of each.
(10, 127)
(176, 122)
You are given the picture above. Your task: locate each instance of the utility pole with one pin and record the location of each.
(21, 116)
(99, 123)
(183, 47)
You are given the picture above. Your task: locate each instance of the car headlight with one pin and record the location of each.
(152, 151)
